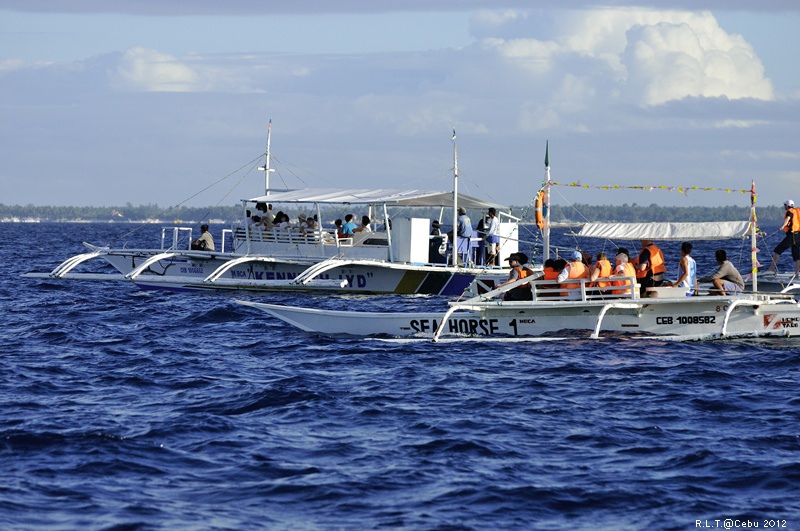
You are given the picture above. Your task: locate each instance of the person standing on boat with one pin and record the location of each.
(726, 278)
(205, 242)
(523, 292)
(492, 237)
(464, 224)
(575, 269)
(650, 267)
(687, 271)
(464, 231)
(791, 226)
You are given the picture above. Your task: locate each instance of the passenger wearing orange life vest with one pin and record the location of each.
(575, 269)
(791, 226)
(650, 267)
(549, 272)
(602, 269)
(623, 268)
(518, 271)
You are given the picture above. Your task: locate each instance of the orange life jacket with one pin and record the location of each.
(605, 271)
(629, 272)
(549, 274)
(655, 264)
(794, 225)
(524, 272)
(577, 269)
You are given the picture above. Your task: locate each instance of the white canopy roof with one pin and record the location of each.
(390, 197)
(712, 230)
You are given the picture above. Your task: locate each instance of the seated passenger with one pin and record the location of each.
(337, 225)
(623, 268)
(518, 271)
(575, 269)
(364, 225)
(602, 269)
(549, 273)
(726, 278)
(205, 242)
(348, 229)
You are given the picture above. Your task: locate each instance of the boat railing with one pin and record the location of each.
(309, 237)
(584, 289)
(226, 233)
(278, 235)
(551, 291)
(175, 235)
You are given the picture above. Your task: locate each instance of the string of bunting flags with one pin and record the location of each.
(682, 189)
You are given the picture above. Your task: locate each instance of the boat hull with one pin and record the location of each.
(182, 272)
(699, 317)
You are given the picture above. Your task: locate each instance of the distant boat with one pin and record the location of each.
(401, 257)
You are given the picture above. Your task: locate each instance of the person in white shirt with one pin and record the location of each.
(492, 237)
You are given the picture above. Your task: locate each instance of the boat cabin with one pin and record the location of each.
(401, 228)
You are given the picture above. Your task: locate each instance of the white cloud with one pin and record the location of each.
(649, 57)
(10, 65)
(142, 69)
(659, 89)
(669, 61)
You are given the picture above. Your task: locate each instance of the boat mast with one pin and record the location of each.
(546, 206)
(265, 168)
(455, 201)
(753, 258)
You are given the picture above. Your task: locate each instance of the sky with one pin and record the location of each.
(115, 102)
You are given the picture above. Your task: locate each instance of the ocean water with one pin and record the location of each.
(129, 409)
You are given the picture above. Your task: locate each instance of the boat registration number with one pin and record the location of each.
(687, 319)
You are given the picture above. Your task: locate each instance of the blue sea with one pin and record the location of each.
(125, 409)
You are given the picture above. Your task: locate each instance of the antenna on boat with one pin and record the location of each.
(455, 201)
(265, 168)
(546, 206)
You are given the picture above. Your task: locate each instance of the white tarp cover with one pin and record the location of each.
(390, 197)
(711, 230)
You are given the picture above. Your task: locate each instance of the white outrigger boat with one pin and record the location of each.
(670, 315)
(401, 258)
(556, 312)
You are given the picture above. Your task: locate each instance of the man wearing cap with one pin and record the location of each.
(575, 269)
(522, 292)
(791, 226)
(205, 242)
